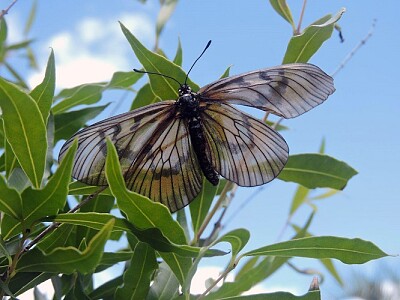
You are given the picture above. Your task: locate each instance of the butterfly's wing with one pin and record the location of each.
(288, 90)
(242, 149)
(154, 151)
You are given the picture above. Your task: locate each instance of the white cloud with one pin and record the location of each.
(94, 49)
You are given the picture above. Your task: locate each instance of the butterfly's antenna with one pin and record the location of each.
(155, 73)
(208, 45)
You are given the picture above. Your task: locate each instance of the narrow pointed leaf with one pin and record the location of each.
(348, 251)
(10, 201)
(178, 55)
(144, 97)
(43, 94)
(85, 94)
(298, 199)
(302, 47)
(124, 80)
(49, 200)
(164, 14)
(311, 295)
(67, 260)
(138, 276)
(283, 10)
(27, 139)
(317, 170)
(163, 87)
(146, 214)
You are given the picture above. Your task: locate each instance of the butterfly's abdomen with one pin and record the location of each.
(199, 145)
(188, 104)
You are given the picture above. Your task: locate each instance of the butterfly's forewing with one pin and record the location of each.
(288, 90)
(167, 170)
(243, 149)
(154, 150)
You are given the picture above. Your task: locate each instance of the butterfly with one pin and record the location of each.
(165, 148)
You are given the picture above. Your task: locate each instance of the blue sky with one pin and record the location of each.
(360, 121)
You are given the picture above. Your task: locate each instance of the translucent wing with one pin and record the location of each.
(167, 169)
(288, 90)
(243, 149)
(140, 137)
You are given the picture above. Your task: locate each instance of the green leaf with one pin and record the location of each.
(84, 94)
(302, 47)
(106, 290)
(67, 260)
(317, 170)
(165, 285)
(124, 80)
(179, 54)
(144, 97)
(349, 251)
(78, 188)
(166, 10)
(226, 72)
(10, 200)
(163, 87)
(238, 238)
(283, 10)
(138, 275)
(49, 200)
(65, 235)
(3, 31)
(43, 94)
(298, 199)
(111, 258)
(67, 123)
(201, 204)
(19, 45)
(27, 139)
(23, 282)
(144, 213)
(31, 18)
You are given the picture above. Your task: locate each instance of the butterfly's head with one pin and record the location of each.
(184, 90)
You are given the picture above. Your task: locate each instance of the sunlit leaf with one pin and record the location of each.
(124, 80)
(302, 47)
(317, 170)
(144, 97)
(10, 200)
(283, 10)
(349, 251)
(27, 138)
(179, 54)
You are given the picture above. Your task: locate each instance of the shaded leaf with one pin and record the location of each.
(302, 47)
(166, 10)
(10, 201)
(165, 285)
(317, 170)
(144, 97)
(67, 260)
(138, 275)
(27, 139)
(43, 94)
(49, 200)
(311, 295)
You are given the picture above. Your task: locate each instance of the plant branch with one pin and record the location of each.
(5, 11)
(354, 51)
(303, 9)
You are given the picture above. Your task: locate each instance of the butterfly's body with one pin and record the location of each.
(165, 148)
(189, 108)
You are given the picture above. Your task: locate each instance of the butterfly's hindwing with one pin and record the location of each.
(243, 149)
(288, 90)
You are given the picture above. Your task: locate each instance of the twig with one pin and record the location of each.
(303, 9)
(5, 11)
(354, 51)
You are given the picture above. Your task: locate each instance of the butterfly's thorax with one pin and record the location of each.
(189, 107)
